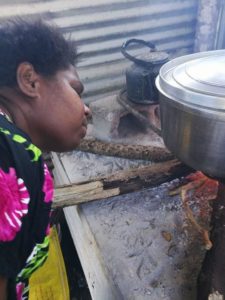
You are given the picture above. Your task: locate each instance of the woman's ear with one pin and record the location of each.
(28, 80)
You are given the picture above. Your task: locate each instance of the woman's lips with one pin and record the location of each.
(84, 128)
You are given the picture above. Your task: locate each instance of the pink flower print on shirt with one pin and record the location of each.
(48, 229)
(48, 185)
(14, 200)
(19, 290)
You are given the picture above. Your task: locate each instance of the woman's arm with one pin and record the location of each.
(3, 288)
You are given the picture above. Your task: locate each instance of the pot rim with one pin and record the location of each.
(170, 82)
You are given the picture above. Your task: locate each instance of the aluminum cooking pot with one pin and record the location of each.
(192, 110)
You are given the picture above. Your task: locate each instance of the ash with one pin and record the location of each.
(148, 244)
(82, 166)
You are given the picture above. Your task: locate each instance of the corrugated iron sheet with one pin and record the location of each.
(101, 26)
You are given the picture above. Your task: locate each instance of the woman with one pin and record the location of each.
(40, 109)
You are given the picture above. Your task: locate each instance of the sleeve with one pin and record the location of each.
(14, 200)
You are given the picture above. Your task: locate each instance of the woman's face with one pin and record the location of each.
(60, 121)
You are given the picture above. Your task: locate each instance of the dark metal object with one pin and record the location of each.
(140, 77)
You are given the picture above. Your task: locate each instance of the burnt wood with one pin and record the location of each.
(119, 183)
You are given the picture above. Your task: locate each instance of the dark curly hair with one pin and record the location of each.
(36, 42)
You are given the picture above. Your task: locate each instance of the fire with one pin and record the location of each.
(204, 186)
(197, 187)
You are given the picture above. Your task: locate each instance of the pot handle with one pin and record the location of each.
(133, 58)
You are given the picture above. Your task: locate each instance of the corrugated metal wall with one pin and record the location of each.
(101, 26)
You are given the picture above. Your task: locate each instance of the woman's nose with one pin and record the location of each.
(87, 111)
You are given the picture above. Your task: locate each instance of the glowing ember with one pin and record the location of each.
(200, 188)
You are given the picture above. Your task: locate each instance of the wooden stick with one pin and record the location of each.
(152, 153)
(204, 233)
(122, 99)
(119, 183)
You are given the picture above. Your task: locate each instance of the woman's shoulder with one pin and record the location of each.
(7, 128)
(17, 142)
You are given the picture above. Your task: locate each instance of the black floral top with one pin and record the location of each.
(26, 192)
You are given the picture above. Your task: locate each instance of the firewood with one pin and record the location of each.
(151, 153)
(119, 183)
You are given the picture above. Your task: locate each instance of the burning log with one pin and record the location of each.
(152, 153)
(201, 188)
(119, 183)
(211, 281)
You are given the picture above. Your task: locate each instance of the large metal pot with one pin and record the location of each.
(192, 110)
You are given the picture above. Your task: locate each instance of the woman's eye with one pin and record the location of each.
(75, 90)
(78, 87)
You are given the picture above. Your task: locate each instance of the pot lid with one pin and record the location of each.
(197, 79)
